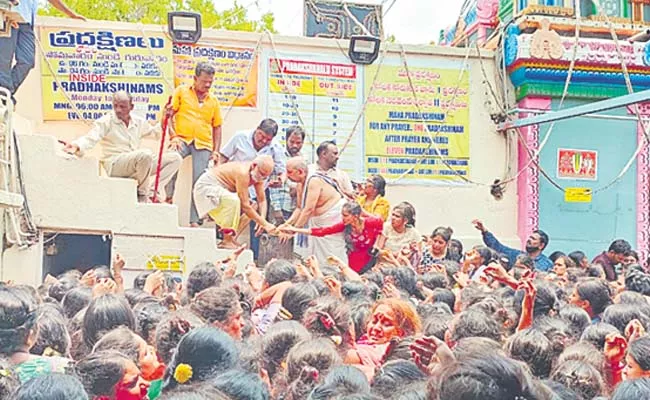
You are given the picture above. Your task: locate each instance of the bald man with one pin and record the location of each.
(319, 203)
(120, 133)
(221, 193)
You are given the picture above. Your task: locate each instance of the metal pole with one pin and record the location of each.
(597, 116)
(591, 108)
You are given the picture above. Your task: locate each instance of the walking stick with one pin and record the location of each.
(165, 122)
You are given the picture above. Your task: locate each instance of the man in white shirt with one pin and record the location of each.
(120, 133)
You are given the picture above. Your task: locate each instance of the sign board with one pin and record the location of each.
(399, 134)
(327, 96)
(577, 164)
(87, 65)
(577, 195)
(235, 78)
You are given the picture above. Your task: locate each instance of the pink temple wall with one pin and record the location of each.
(528, 181)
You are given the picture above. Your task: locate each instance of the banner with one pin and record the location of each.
(396, 131)
(90, 64)
(327, 97)
(577, 164)
(232, 64)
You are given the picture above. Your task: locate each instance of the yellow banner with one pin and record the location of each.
(578, 195)
(235, 79)
(396, 131)
(88, 65)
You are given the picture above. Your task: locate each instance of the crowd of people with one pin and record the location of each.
(404, 316)
(375, 309)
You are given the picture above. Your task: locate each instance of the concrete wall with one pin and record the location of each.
(451, 205)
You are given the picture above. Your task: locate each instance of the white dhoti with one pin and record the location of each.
(216, 201)
(330, 245)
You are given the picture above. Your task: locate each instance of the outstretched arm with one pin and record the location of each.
(61, 6)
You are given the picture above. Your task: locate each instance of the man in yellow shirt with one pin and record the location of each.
(196, 119)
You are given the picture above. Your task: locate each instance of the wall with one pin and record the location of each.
(612, 214)
(446, 205)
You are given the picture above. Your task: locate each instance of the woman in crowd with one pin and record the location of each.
(361, 233)
(399, 236)
(109, 375)
(435, 250)
(18, 334)
(372, 199)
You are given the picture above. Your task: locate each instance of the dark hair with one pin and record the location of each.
(427, 311)
(379, 183)
(545, 300)
(395, 374)
(638, 282)
(639, 350)
(341, 381)
(171, 329)
(354, 209)
(52, 331)
(472, 323)
(208, 350)
(595, 271)
(298, 298)
(577, 257)
(355, 291)
(203, 67)
(307, 362)
(437, 326)
(359, 314)
(532, 347)
(322, 148)
(135, 296)
(597, 333)
(408, 212)
(268, 126)
(240, 385)
(59, 289)
(278, 341)
(619, 315)
(434, 280)
(122, 340)
(444, 233)
(555, 255)
(596, 292)
(405, 279)
(632, 390)
(147, 316)
(543, 237)
(620, 246)
(53, 386)
(105, 313)
(100, 372)
(9, 382)
(76, 300)
(277, 271)
(294, 130)
(194, 392)
(328, 317)
(632, 253)
(17, 319)
(585, 352)
(444, 295)
(201, 277)
(471, 346)
(581, 377)
(576, 317)
(216, 304)
(490, 377)
(486, 254)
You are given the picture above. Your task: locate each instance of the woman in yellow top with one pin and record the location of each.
(372, 198)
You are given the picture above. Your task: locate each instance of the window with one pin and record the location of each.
(522, 4)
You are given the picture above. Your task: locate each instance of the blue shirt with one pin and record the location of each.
(542, 263)
(240, 148)
(27, 9)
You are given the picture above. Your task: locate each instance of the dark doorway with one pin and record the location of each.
(66, 251)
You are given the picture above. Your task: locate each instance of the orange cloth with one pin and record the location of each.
(194, 121)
